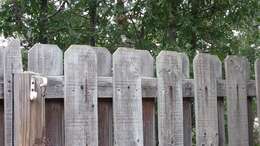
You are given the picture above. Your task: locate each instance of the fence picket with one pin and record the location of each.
(1, 97)
(81, 117)
(128, 67)
(29, 115)
(105, 111)
(237, 75)
(47, 59)
(257, 80)
(207, 70)
(170, 70)
(12, 64)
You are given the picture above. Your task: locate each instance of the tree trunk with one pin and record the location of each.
(93, 21)
(43, 22)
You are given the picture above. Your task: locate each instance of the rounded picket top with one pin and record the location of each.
(46, 59)
(104, 61)
(238, 63)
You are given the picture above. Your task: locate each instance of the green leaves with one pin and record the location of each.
(149, 24)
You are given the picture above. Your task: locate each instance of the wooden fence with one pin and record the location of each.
(101, 99)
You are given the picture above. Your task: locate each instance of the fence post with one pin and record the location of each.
(29, 115)
(207, 70)
(47, 60)
(81, 117)
(237, 75)
(170, 70)
(128, 67)
(105, 111)
(12, 64)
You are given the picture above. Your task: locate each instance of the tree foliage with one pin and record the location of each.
(221, 27)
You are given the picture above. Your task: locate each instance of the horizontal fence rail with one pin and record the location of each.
(129, 98)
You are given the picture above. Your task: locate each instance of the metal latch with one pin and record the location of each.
(43, 83)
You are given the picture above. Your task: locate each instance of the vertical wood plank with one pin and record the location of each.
(12, 64)
(1, 100)
(187, 106)
(207, 70)
(170, 73)
(2, 123)
(105, 111)
(105, 122)
(187, 122)
(29, 115)
(129, 65)
(54, 118)
(237, 74)
(257, 80)
(149, 122)
(80, 103)
(221, 121)
(47, 59)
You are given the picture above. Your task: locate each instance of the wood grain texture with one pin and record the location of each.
(29, 115)
(170, 73)
(2, 142)
(80, 103)
(128, 67)
(207, 70)
(237, 75)
(221, 121)
(47, 60)
(1, 96)
(105, 111)
(54, 109)
(257, 81)
(149, 123)
(105, 122)
(187, 121)
(104, 62)
(55, 87)
(12, 64)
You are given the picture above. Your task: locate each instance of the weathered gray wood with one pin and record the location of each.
(81, 117)
(55, 87)
(257, 81)
(29, 115)
(104, 62)
(207, 70)
(169, 68)
(128, 67)
(1, 96)
(221, 121)
(105, 109)
(251, 117)
(48, 60)
(45, 59)
(12, 64)
(237, 75)
(149, 106)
